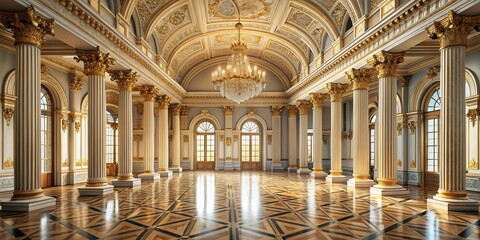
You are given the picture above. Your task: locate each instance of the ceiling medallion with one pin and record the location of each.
(177, 17)
(239, 82)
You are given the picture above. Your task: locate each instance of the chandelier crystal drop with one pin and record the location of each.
(239, 82)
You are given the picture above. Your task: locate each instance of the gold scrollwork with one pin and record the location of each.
(8, 163)
(229, 141)
(413, 164)
(472, 163)
(8, 114)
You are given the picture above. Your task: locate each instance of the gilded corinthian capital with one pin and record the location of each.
(276, 110)
(303, 106)
(163, 101)
(125, 79)
(95, 62)
(292, 110)
(386, 63)
(360, 78)
(454, 29)
(336, 91)
(318, 99)
(27, 26)
(148, 92)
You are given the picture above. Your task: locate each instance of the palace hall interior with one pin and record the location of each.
(239, 119)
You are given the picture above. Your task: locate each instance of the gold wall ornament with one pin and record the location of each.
(221, 138)
(95, 62)
(400, 126)
(228, 109)
(125, 79)
(325, 139)
(163, 101)
(65, 123)
(148, 92)
(360, 78)
(336, 91)
(184, 110)
(170, 138)
(276, 110)
(269, 139)
(472, 163)
(412, 125)
(8, 114)
(472, 115)
(78, 126)
(114, 126)
(139, 107)
(65, 163)
(399, 163)
(433, 72)
(386, 63)
(348, 135)
(8, 163)
(251, 111)
(413, 164)
(229, 141)
(235, 138)
(185, 138)
(204, 112)
(303, 106)
(292, 110)
(454, 29)
(27, 26)
(76, 82)
(318, 99)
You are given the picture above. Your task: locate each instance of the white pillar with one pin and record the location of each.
(148, 92)
(96, 63)
(360, 79)
(317, 100)
(292, 138)
(303, 107)
(176, 168)
(453, 33)
(228, 112)
(27, 192)
(336, 91)
(277, 138)
(386, 125)
(162, 138)
(125, 81)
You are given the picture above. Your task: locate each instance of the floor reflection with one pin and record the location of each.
(239, 205)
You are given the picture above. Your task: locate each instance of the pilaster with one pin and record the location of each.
(277, 138)
(317, 99)
(176, 168)
(292, 138)
(163, 104)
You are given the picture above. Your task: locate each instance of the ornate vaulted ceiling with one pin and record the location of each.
(282, 35)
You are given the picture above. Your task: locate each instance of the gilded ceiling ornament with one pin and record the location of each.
(386, 63)
(454, 29)
(248, 8)
(303, 106)
(336, 91)
(292, 110)
(318, 99)
(338, 14)
(276, 110)
(27, 26)
(76, 82)
(148, 92)
(8, 114)
(228, 109)
(300, 18)
(328, 4)
(125, 79)
(176, 18)
(95, 62)
(163, 101)
(360, 78)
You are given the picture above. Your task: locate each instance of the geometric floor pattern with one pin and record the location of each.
(238, 205)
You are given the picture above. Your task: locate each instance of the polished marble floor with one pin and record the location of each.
(238, 205)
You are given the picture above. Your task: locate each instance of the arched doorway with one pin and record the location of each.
(46, 138)
(373, 119)
(431, 118)
(251, 145)
(205, 146)
(111, 145)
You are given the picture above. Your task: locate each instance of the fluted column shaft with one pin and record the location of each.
(125, 135)
(148, 135)
(277, 137)
(317, 139)
(361, 141)
(303, 141)
(292, 137)
(336, 138)
(176, 140)
(163, 139)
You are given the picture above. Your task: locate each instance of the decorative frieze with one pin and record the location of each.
(360, 78)
(303, 106)
(454, 29)
(386, 63)
(336, 91)
(95, 62)
(125, 79)
(318, 99)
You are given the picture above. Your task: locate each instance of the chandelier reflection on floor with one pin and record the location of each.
(239, 82)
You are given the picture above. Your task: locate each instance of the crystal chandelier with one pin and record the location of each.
(239, 82)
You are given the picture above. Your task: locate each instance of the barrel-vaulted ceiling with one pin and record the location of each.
(283, 35)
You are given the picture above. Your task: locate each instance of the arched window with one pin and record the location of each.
(251, 145)
(111, 140)
(46, 138)
(133, 27)
(432, 126)
(205, 146)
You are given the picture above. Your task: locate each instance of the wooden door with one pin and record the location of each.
(205, 159)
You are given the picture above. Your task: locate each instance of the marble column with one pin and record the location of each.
(96, 63)
(317, 101)
(74, 117)
(126, 81)
(162, 138)
(386, 126)
(176, 168)
(360, 78)
(277, 139)
(29, 32)
(148, 92)
(453, 33)
(292, 138)
(336, 91)
(228, 113)
(303, 107)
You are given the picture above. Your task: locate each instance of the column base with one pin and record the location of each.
(95, 191)
(445, 204)
(336, 179)
(304, 171)
(149, 176)
(292, 169)
(166, 173)
(28, 204)
(360, 183)
(394, 190)
(133, 182)
(318, 174)
(277, 167)
(176, 169)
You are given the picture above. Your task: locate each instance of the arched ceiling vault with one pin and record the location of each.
(282, 33)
